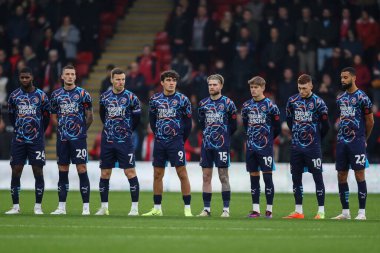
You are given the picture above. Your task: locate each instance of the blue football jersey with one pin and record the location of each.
(306, 114)
(259, 116)
(353, 107)
(119, 109)
(215, 116)
(70, 107)
(169, 112)
(28, 109)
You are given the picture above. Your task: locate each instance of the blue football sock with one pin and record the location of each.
(104, 186)
(297, 188)
(134, 187)
(319, 188)
(255, 189)
(39, 188)
(269, 187)
(362, 194)
(84, 184)
(15, 189)
(344, 195)
(63, 185)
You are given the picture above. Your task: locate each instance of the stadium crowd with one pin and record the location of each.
(238, 39)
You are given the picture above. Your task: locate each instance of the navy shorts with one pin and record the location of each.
(72, 151)
(259, 161)
(209, 157)
(305, 161)
(352, 155)
(172, 151)
(117, 155)
(22, 152)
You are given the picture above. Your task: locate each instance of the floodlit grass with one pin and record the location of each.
(175, 233)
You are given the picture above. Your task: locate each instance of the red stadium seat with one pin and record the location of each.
(86, 57)
(108, 18)
(163, 49)
(161, 38)
(82, 70)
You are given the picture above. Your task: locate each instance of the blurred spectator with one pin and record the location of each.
(221, 69)
(52, 72)
(184, 68)
(350, 45)
(68, 34)
(376, 80)
(18, 26)
(286, 88)
(48, 43)
(15, 57)
(106, 83)
(95, 150)
(266, 25)
(368, 33)
(245, 38)
(238, 141)
(225, 38)
(285, 26)
(291, 58)
(334, 65)
(363, 75)
(305, 33)
(251, 24)
(284, 141)
(193, 144)
(5, 64)
(272, 57)
(135, 82)
(327, 36)
(257, 9)
(200, 86)
(328, 92)
(177, 27)
(373, 144)
(38, 32)
(345, 23)
(149, 66)
(5, 88)
(32, 62)
(147, 145)
(202, 39)
(243, 68)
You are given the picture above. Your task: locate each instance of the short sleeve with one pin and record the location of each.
(135, 105)
(87, 100)
(366, 105)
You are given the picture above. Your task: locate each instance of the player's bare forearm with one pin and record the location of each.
(89, 118)
(369, 122)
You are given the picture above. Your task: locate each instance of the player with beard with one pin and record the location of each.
(29, 114)
(72, 106)
(355, 126)
(217, 118)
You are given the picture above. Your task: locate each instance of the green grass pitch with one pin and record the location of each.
(175, 233)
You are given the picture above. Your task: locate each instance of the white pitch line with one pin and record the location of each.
(156, 228)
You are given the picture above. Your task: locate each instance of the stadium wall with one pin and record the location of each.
(239, 178)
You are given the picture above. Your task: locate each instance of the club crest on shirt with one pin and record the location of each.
(174, 102)
(123, 101)
(310, 106)
(36, 100)
(76, 97)
(221, 107)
